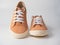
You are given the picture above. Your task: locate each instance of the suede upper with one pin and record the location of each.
(19, 27)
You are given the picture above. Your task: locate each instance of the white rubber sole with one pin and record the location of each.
(38, 32)
(23, 35)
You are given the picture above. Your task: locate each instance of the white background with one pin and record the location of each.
(49, 9)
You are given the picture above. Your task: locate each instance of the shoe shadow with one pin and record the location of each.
(50, 34)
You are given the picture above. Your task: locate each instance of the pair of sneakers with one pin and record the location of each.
(19, 27)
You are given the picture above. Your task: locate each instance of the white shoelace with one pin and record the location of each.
(37, 20)
(19, 16)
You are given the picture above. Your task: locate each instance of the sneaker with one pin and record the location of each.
(18, 25)
(38, 27)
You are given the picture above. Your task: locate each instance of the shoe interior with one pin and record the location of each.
(20, 5)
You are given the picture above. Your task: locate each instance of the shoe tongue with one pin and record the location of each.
(22, 9)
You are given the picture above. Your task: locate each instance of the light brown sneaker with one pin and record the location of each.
(38, 27)
(18, 25)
